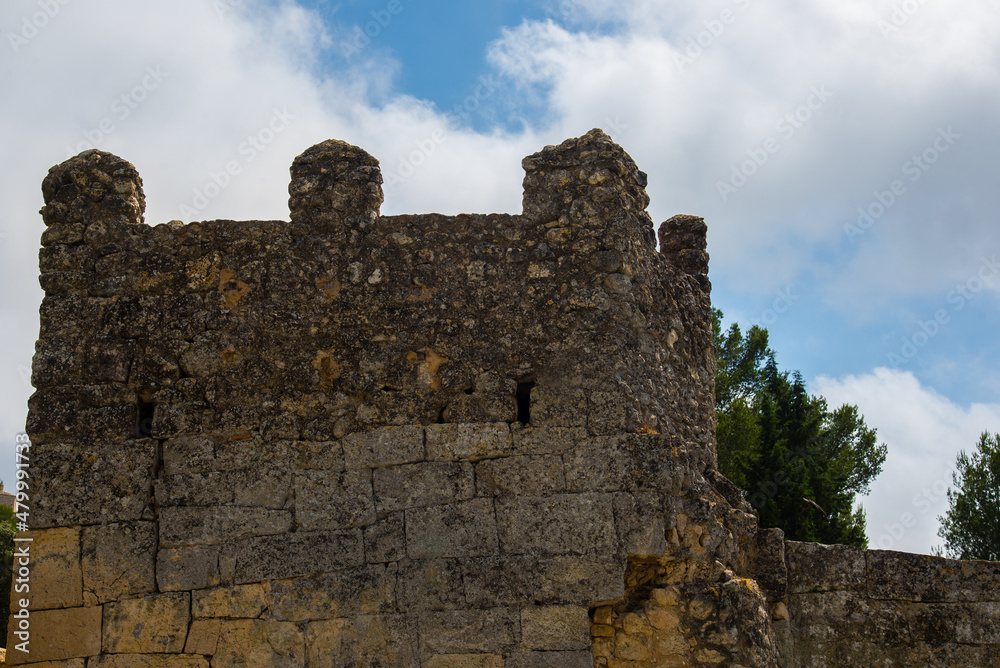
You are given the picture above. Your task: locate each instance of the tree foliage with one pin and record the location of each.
(799, 464)
(971, 527)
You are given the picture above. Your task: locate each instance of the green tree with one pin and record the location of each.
(739, 380)
(971, 527)
(799, 464)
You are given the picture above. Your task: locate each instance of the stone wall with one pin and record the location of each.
(475, 441)
(359, 440)
(851, 607)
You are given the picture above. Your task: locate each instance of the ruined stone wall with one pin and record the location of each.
(359, 440)
(851, 607)
(476, 441)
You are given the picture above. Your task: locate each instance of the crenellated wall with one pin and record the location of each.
(359, 440)
(348, 439)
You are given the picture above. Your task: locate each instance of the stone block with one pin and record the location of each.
(122, 472)
(187, 568)
(330, 501)
(430, 584)
(213, 488)
(148, 625)
(385, 541)
(465, 661)
(118, 561)
(238, 602)
(913, 577)
(243, 451)
(963, 623)
(186, 526)
(596, 465)
(527, 475)
(980, 581)
(385, 446)
(580, 579)
(258, 642)
(319, 455)
(54, 565)
(263, 486)
(295, 555)
(612, 413)
(517, 579)
(558, 407)
(465, 529)
(148, 661)
(366, 641)
(185, 455)
(500, 581)
(640, 522)
(579, 659)
(533, 440)
(203, 636)
(555, 627)
(361, 590)
(422, 484)
(848, 616)
(486, 631)
(633, 462)
(814, 568)
(768, 566)
(56, 635)
(560, 524)
(471, 442)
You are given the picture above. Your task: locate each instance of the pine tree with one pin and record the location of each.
(799, 464)
(971, 527)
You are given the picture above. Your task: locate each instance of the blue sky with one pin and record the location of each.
(440, 45)
(843, 153)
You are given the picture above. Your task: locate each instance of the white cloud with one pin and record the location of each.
(924, 432)
(698, 95)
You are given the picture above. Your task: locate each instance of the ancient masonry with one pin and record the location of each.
(474, 441)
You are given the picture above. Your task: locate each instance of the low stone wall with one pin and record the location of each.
(852, 607)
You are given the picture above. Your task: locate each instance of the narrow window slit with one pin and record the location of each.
(144, 419)
(524, 401)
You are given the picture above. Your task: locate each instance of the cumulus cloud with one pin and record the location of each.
(699, 92)
(924, 432)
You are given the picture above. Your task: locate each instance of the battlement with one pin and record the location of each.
(349, 439)
(391, 314)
